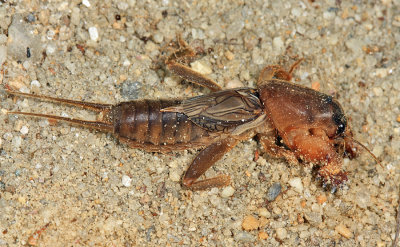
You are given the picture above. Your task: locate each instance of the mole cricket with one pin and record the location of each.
(291, 121)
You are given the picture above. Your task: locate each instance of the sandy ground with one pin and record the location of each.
(83, 188)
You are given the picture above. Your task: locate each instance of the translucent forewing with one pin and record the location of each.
(225, 111)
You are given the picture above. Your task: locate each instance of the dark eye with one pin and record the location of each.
(340, 120)
(340, 129)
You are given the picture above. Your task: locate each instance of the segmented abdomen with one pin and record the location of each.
(142, 124)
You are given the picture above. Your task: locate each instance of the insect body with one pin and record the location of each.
(290, 121)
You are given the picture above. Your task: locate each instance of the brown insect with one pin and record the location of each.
(290, 121)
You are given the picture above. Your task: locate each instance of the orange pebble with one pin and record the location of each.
(321, 199)
(315, 85)
(250, 223)
(262, 235)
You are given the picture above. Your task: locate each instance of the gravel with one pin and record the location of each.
(95, 191)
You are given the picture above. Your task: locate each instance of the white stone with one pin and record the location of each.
(24, 130)
(277, 43)
(296, 184)
(35, 83)
(126, 181)
(50, 49)
(86, 3)
(126, 63)
(26, 64)
(93, 33)
(281, 233)
(235, 83)
(122, 5)
(75, 16)
(296, 12)
(201, 67)
(171, 81)
(264, 212)
(227, 192)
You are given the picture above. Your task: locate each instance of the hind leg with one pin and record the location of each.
(176, 64)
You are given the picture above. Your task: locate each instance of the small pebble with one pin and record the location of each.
(17, 173)
(130, 89)
(35, 83)
(201, 67)
(316, 85)
(3, 39)
(126, 181)
(31, 18)
(354, 45)
(277, 43)
(150, 46)
(344, 231)
(377, 91)
(244, 237)
(122, 5)
(17, 141)
(263, 222)
(171, 81)
(2, 186)
(277, 210)
(3, 54)
(264, 212)
(21, 200)
(273, 191)
(229, 55)
(296, 184)
(363, 199)
(235, 83)
(86, 3)
(321, 199)
(20, 37)
(281, 233)
(44, 16)
(26, 65)
(50, 49)
(158, 38)
(227, 192)
(75, 16)
(50, 34)
(262, 235)
(315, 218)
(18, 125)
(175, 176)
(126, 63)
(250, 223)
(378, 150)
(93, 33)
(382, 72)
(296, 12)
(24, 130)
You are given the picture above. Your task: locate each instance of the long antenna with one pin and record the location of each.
(362, 145)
